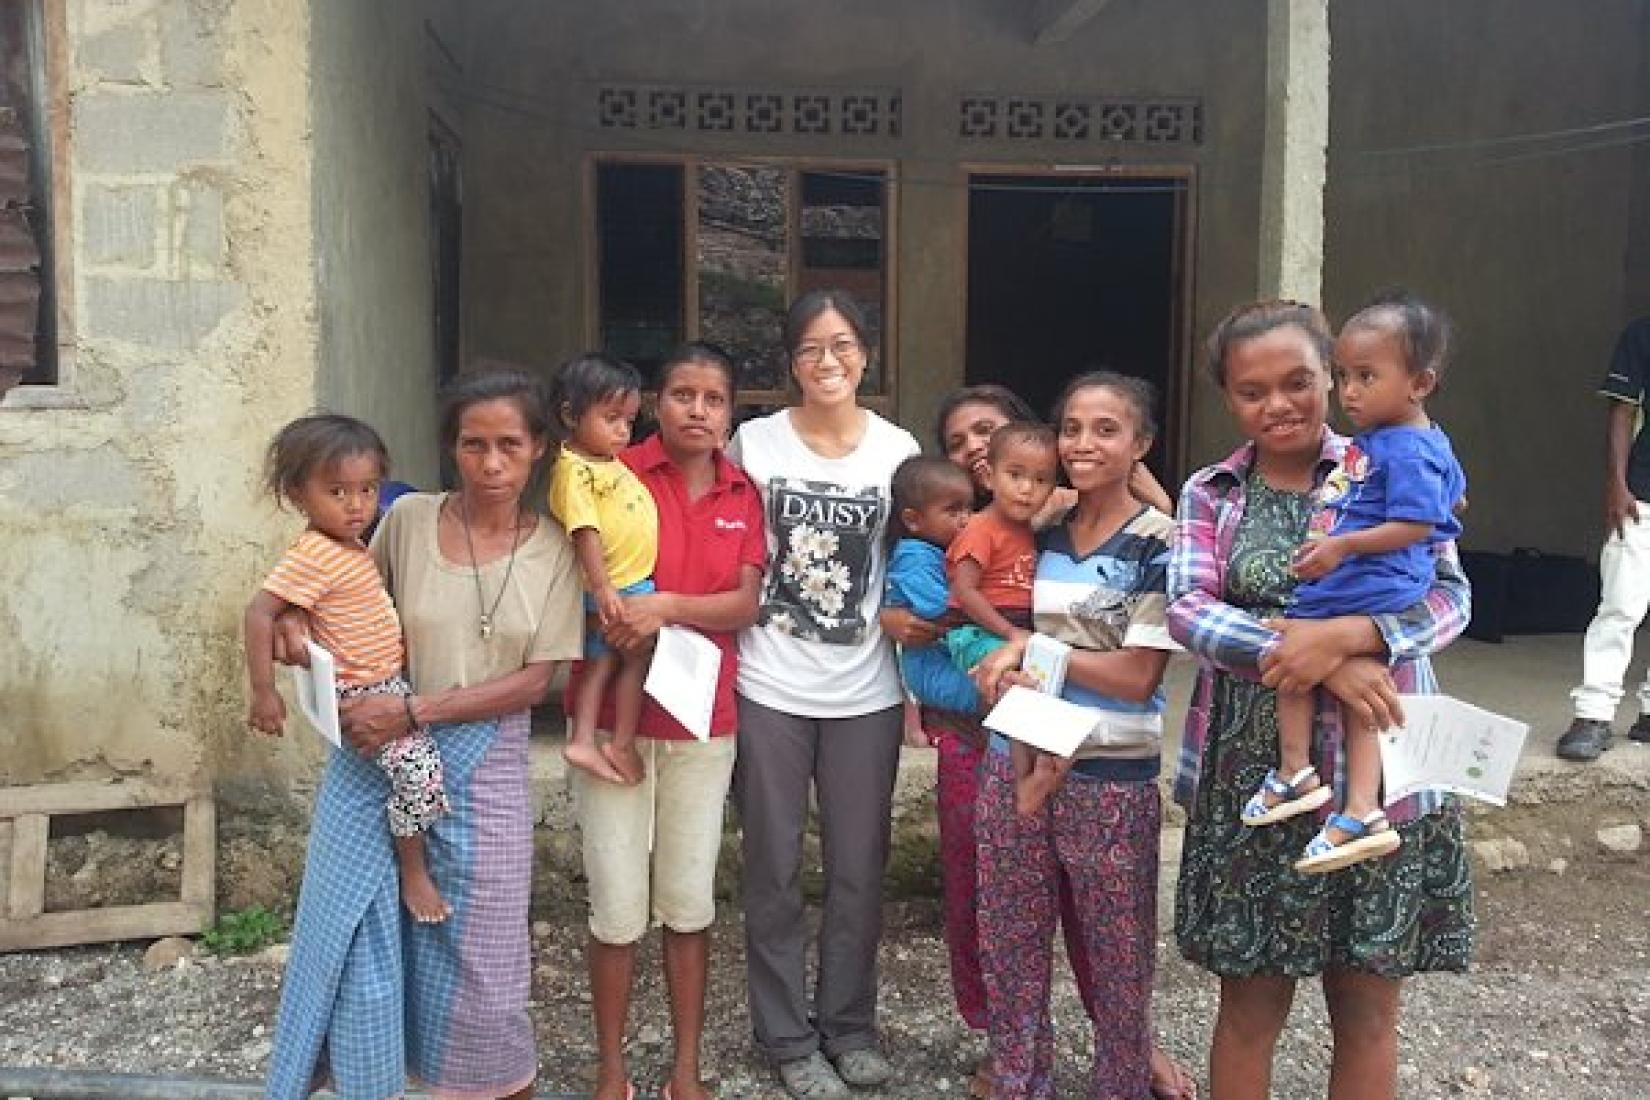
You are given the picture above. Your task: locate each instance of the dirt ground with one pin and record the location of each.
(1558, 1006)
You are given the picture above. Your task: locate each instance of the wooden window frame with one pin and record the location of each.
(885, 403)
(1177, 401)
(53, 84)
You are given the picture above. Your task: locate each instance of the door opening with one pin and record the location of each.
(1067, 273)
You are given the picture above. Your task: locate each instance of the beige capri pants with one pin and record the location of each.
(650, 850)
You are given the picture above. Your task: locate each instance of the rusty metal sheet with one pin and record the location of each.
(20, 243)
(18, 302)
(16, 352)
(18, 250)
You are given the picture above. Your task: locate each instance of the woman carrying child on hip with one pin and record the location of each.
(1100, 587)
(329, 468)
(614, 526)
(1386, 505)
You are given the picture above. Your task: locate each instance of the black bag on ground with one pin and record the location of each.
(1529, 592)
(1550, 593)
(1489, 575)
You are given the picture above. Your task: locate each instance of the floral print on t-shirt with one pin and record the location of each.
(816, 587)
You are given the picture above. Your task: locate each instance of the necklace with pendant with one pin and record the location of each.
(487, 613)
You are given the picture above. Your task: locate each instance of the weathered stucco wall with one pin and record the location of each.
(1525, 245)
(532, 67)
(133, 531)
(372, 237)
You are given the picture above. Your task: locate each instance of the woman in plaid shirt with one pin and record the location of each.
(1241, 911)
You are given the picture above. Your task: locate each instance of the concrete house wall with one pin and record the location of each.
(245, 221)
(1539, 254)
(538, 65)
(131, 525)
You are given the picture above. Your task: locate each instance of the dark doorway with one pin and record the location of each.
(1070, 272)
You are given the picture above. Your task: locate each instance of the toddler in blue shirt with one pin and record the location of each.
(1391, 499)
(933, 500)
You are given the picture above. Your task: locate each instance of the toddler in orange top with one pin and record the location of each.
(329, 468)
(991, 566)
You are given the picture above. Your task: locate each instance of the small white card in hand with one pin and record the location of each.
(683, 675)
(317, 691)
(1045, 661)
(1042, 721)
(1448, 745)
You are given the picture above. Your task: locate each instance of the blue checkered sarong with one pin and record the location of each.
(372, 997)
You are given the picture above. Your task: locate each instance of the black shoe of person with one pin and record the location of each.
(1640, 730)
(1585, 740)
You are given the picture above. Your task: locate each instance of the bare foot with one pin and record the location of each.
(625, 761)
(683, 1088)
(1033, 790)
(613, 1087)
(422, 899)
(983, 1081)
(588, 757)
(1169, 1080)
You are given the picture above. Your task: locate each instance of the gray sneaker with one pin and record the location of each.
(865, 1068)
(1585, 740)
(812, 1078)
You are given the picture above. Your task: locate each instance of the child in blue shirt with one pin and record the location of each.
(1391, 499)
(933, 499)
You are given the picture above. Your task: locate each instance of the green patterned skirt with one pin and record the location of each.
(1242, 910)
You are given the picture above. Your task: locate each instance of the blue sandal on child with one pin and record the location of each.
(1279, 799)
(1368, 837)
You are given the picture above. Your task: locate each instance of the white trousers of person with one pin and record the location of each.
(1624, 569)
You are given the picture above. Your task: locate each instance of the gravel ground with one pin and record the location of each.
(1558, 1006)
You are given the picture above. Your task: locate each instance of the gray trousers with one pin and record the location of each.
(850, 763)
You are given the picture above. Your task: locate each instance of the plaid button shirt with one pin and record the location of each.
(1228, 639)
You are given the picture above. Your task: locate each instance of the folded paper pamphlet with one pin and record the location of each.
(682, 677)
(317, 690)
(1448, 745)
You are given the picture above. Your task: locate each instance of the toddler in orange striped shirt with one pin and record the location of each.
(329, 468)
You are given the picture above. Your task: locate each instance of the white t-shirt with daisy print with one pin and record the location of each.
(817, 650)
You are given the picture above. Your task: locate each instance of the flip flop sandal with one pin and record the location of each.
(1287, 798)
(1368, 837)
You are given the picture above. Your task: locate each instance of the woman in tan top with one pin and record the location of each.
(489, 602)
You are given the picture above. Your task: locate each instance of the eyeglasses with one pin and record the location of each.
(844, 350)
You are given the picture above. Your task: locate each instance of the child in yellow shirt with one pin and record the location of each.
(614, 525)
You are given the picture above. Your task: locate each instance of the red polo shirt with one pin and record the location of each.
(704, 545)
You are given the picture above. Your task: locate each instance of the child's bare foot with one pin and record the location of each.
(1033, 790)
(422, 899)
(588, 757)
(625, 761)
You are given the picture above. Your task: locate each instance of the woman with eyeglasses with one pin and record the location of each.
(819, 702)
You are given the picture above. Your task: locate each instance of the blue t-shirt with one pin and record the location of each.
(916, 580)
(1400, 474)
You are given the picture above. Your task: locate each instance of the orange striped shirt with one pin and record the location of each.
(349, 609)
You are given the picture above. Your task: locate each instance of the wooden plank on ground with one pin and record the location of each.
(122, 922)
(90, 797)
(200, 852)
(27, 892)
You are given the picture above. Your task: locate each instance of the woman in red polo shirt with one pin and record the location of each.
(650, 849)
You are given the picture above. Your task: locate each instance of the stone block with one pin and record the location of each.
(1504, 854)
(204, 241)
(1621, 840)
(154, 313)
(118, 56)
(190, 49)
(120, 225)
(152, 133)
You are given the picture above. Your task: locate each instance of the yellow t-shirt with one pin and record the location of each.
(605, 495)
